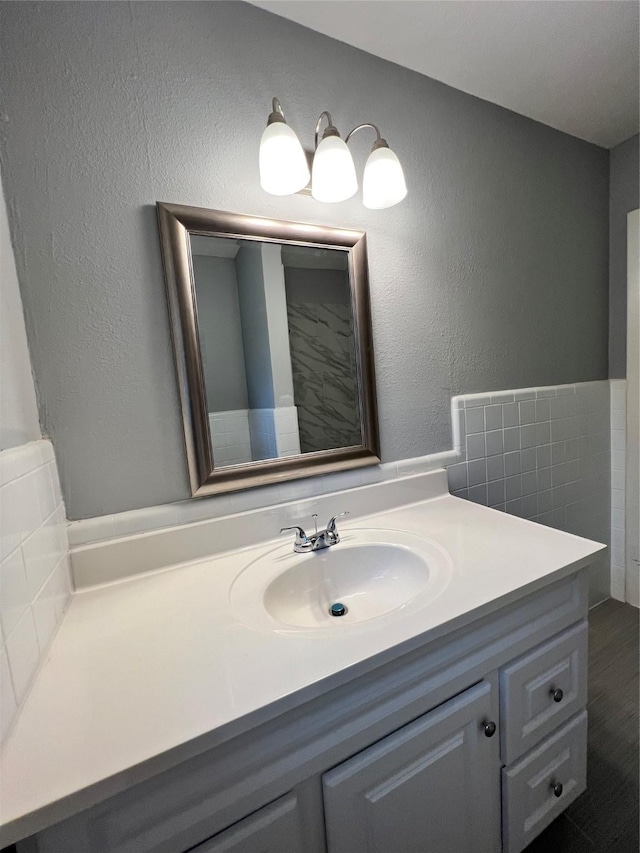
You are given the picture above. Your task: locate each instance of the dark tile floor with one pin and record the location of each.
(605, 818)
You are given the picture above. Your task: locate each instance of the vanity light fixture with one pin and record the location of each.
(284, 170)
(283, 163)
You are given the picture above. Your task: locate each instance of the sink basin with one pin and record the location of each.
(371, 573)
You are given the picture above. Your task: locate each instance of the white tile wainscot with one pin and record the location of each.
(543, 454)
(274, 432)
(230, 436)
(34, 572)
(618, 492)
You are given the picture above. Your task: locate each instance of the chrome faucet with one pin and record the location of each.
(318, 540)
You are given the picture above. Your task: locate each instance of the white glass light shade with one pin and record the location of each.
(333, 176)
(383, 184)
(283, 164)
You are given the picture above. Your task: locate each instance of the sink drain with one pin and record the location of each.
(337, 609)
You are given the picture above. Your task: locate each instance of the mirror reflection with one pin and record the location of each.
(276, 334)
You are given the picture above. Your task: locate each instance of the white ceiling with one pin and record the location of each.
(571, 64)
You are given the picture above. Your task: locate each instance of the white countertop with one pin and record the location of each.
(151, 670)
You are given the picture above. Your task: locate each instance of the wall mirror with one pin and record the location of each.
(272, 338)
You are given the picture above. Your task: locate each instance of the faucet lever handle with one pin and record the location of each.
(301, 536)
(331, 525)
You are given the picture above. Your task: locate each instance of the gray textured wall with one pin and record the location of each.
(624, 195)
(220, 332)
(317, 285)
(18, 410)
(275, 299)
(491, 274)
(255, 327)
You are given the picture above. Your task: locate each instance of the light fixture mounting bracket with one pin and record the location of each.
(276, 114)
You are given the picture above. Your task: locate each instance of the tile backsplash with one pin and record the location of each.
(541, 454)
(230, 436)
(35, 586)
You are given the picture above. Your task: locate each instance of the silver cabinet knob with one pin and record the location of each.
(556, 787)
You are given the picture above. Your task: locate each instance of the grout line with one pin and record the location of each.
(31, 533)
(578, 827)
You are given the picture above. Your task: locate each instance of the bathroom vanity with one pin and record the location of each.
(187, 721)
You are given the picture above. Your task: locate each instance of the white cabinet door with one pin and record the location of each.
(431, 787)
(273, 829)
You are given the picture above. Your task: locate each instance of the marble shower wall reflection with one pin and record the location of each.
(323, 360)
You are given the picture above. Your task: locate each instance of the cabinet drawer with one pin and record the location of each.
(529, 801)
(541, 690)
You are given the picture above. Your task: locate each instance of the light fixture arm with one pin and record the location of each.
(331, 129)
(277, 113)
(379, 143)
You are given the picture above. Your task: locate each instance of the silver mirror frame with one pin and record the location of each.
(177, 223)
